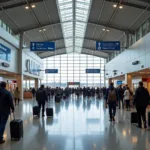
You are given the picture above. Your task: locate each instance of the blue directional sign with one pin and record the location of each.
(119, 82)
(42, 46)
(93, 70)
(51, 70)
(5, 53)
(108, 45)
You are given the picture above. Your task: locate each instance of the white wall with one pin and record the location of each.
(140, 51)
(31, 56)
(12, 43)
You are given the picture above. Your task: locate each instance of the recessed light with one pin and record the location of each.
(40, 30)
(44, 29)
(33, 6)
(120, 7)
(108, 30)
(104, 29)
(26, 7)
(114, 5)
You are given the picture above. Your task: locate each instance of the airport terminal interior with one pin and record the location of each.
(81, 51)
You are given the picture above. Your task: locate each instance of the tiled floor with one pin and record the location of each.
(77, 125)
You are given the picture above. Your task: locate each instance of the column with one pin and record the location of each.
(20, 65)
(128, 80)
(127, 40)
(36, 84)
(20, 85)
(109, 81)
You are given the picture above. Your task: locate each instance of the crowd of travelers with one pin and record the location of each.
(121, 97)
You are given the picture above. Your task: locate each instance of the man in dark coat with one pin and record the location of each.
(120, 94)
(41, 98)
(141, 101)
(6, 104)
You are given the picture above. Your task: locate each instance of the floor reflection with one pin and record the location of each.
(78, 124)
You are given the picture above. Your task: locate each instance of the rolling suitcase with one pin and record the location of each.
(16, 129)
(57, 99)
(36, 111)
(134, 117)
(49, 112)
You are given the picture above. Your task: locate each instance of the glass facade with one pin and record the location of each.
(71, 68)
(139, 33)
(6, 27)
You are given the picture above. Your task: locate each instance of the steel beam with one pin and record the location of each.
(19, 4)
(35, 27)
(4, 1)
(112, 27)
(130, 4)
(57, 23)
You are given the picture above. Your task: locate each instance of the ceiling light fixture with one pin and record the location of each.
(104, 29)
(114, 5)
(40, 30)
(108, 30)
(120, 7)
(33, 6)
(26, 7)
(44, 29)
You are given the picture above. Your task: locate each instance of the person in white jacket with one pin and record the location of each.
(127, 98)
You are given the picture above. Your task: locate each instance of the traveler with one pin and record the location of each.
(112, 99)
(33, 92)
(48, 92)
(17, 95)
(127, 98)
(120, 94)
(141, 101)
(41, 98)
(6, 104)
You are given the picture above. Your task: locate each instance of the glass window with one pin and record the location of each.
(73, 70)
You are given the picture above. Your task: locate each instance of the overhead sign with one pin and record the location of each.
(5, 53)
(73, 83)
(108, 45)
(119, 82)
(51, 70)
(42, 46)
(93, 70)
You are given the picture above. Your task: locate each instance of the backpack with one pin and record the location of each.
(112, 96)
(39, 94)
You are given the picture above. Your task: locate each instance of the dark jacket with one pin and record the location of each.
(6, 102)
(41, 95)
(107, 92)
(120, 93)
(141, 97)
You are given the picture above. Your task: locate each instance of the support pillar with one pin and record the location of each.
(36, 84)
(128, 80)
(127, 41)
(20, 85)
(20, 65)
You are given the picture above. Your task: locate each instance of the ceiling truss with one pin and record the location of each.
(130, 4)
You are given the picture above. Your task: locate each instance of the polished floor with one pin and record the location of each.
(77, 125)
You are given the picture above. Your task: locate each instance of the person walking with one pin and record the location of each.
(17, 95)
(6, 104)
(112, 99)
(141, 101)
(33, 92)
(121, 95)
(127, 98)
(41, 98)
